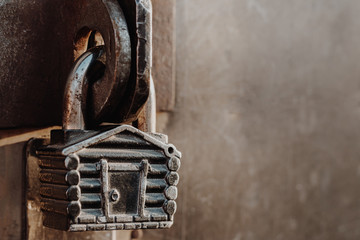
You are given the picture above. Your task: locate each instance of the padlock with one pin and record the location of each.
(113, 177)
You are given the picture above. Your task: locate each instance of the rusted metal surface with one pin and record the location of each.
(32, 81)
(36, 52)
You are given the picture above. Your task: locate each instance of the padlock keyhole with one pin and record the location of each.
(114, 195)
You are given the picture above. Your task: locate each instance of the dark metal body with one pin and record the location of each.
(115, 178)
(116, 97)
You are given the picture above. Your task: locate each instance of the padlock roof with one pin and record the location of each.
(96, 137)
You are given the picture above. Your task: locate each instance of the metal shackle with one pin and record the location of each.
(75, 92)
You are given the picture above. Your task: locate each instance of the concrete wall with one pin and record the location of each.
(267, 116)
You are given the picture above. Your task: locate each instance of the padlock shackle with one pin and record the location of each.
(75, 90)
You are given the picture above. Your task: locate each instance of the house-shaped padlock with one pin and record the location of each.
(115, 178)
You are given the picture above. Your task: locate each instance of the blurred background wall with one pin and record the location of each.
(267, 116)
